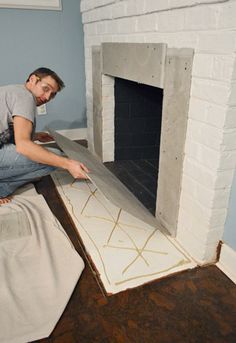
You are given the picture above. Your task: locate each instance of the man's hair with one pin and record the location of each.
(43, 72)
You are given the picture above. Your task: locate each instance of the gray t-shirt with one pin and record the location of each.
(14, 100)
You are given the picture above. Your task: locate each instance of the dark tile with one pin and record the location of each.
(126, 153)
(140, 182)
(153, 163)
(122, 125)
(138, 110)
(122, 110)
(127, 165)
(137, 126)
(145, 166)
(143, 139)
(123, 140)
(153, 125)
(150, 152)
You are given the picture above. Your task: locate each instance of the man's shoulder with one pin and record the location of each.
(18, 88)
(16, 92)
(12, 87)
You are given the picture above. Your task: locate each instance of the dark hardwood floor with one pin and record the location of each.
(190, 307)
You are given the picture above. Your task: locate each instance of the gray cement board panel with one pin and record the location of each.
(174, 124)
(97, 100)
(105, 181)
(139, 62)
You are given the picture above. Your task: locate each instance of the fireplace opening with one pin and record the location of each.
(138, 115)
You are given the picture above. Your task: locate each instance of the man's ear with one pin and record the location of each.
(33, 79)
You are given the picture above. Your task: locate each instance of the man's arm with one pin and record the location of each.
(35, 152)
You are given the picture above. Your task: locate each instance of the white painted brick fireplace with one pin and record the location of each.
(209, 28)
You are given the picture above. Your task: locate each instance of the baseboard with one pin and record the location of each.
(227, 262)
(74, 134)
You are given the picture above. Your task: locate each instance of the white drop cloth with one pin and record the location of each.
(39, 269)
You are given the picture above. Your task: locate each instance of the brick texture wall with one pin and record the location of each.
(209, 27)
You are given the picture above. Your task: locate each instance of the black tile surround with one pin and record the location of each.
(138, 113)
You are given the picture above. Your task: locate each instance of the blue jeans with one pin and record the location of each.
(17, 170)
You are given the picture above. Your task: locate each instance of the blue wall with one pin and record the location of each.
(33, 38)
(229, 236)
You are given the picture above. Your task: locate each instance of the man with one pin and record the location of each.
(21, 159)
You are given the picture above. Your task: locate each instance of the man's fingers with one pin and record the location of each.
(84, 168)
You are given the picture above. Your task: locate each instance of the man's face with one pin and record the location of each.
(44, 89)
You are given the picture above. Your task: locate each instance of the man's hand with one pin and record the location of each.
(77, 169)
(43, 137)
